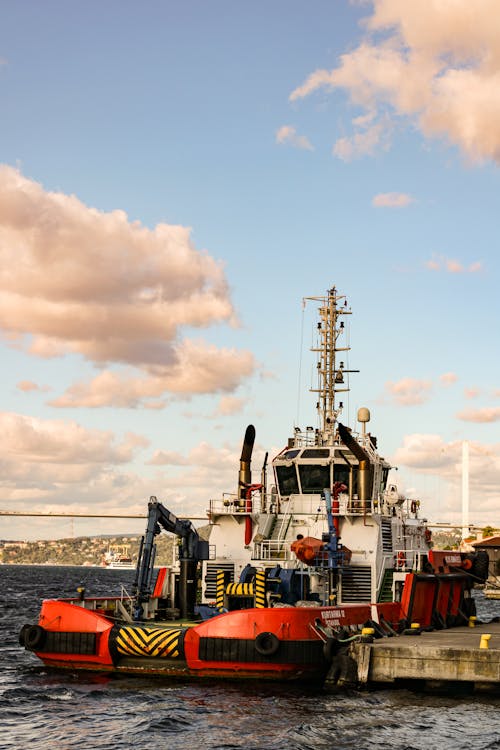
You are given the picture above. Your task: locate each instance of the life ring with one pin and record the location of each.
(34, 637)
(428, 535)
(401, 559)
(266, 644)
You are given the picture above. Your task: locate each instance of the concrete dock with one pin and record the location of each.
(449, 657)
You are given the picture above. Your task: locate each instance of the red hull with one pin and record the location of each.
(280, 643)
(277, 643)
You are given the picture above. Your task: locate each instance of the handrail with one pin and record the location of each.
(230, 504)
(286, 518)
(406, 560)
(272, 550)
(382, 570)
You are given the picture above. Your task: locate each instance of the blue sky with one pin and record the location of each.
(175, 178)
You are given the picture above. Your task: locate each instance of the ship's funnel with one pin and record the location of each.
(245, 474)
(365, 473)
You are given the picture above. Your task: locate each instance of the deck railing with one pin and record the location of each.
(274, 550)
(304, 504)
(230, 504)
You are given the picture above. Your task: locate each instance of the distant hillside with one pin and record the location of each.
(84, 550)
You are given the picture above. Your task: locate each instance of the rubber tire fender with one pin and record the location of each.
(22, 634)
(266, 643)
(330, 649)
(480, 566)
(34, 637)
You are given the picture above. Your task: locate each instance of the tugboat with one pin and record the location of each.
(291, 572)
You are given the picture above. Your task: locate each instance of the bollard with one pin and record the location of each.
(472, 621)
(484, 643)
(367, 635)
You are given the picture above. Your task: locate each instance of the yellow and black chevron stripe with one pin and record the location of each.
(143, 640)
(260, 589)
(221, 585)
(239, 589)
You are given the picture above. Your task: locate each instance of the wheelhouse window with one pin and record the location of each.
(341, 474)
(287, 480)
(316, 453)
(314, 478)
(346, 472)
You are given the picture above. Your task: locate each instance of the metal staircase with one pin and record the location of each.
(385, 593)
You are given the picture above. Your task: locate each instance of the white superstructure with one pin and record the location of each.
(379, 531)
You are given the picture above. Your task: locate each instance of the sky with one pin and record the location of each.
(175, 178)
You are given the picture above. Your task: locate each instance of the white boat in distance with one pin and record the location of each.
(118, 556)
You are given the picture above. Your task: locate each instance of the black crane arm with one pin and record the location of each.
(192, 549)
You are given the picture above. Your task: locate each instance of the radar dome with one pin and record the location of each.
(363, 414)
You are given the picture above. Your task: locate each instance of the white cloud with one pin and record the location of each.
(430, 455)
(451, 265)
(165, 458)
(409, 391)
(197, 368)
(61, 442)
(287, 135)
(471, 393)
(434, 63)
(229, 405)
(77, 280)
(426, 452)
(29, 385)
(392, 200)
(54, 459)
(483, 415)
(370, 137)
(57, 466)
(448, 378)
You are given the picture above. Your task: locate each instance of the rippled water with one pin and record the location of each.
(42, 709)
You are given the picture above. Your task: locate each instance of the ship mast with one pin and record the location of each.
(330, 376)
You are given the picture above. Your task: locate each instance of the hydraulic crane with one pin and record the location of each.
(192, 549)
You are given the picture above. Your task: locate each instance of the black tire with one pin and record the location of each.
(266, 644)
(22, 634)
(480, 566)
(330, 649)
(34, 637)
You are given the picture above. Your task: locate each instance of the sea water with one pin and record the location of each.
(41, 708)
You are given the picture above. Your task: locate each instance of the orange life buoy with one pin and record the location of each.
(401, 560)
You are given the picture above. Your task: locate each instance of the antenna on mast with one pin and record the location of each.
(330, 375)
